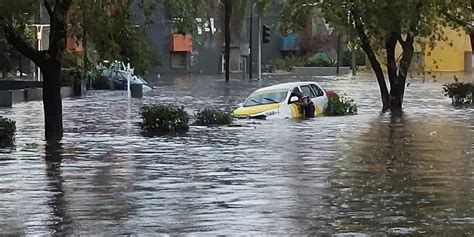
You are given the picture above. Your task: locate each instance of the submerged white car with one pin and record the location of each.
(116, 73)
(276, 101)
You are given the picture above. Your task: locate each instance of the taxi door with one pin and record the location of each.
(290, 110)
(318, 104)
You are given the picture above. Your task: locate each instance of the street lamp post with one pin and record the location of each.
(39, 38)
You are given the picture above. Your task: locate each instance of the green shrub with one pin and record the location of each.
(282, 64)
(7, 132)
(164, 118)
(70, 76)
(459, 92)
(346, 60)
(287, 63)
(339, 106)
(318, 62)
(101, 82)
(212, 116)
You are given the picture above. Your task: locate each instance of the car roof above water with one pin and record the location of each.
(285, 86)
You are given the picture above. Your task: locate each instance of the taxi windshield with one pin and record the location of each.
(263, 98)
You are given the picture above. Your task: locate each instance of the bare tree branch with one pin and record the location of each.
(458, 21)
(48, 8)
(367, 47)
(56, 6)
(14, 38)
(414, 23)
(390, 45)
(401, 41)
(58, 31)
(3, 22)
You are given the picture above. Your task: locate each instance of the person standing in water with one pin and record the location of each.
(304, 103)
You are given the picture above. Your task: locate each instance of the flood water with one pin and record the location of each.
(363, 175)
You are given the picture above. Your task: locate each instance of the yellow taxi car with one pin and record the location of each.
(276, 101)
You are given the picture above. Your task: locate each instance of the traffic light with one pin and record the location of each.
(266, 34)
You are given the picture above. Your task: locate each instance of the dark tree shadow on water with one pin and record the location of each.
(60, 221)
(395, 140)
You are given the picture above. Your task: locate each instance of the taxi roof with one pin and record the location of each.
(285, 86)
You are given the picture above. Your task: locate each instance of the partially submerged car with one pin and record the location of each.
(277, 101)
(116, 75)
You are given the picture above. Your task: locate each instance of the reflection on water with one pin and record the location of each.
(411, 175)
(58, 222)
(368, 174)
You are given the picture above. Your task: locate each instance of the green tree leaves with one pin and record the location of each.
(106, 27)
(381, 25)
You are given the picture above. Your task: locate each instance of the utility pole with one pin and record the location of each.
(338, 62)
(351, 38)
(259, 44)
(251, 41)
(39, 36)
(353, 59)
(20, 65)
(228, 11)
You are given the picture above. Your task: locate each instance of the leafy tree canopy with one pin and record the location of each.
(382, 24)
(106, 25)
(183, 13)
(380, 19)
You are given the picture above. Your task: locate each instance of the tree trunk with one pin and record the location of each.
(50, 63)
(396, 84)
(20, 65)
(374, 62)
(405, 62)
(52, 101)
(385, 96)
(228, 11)
(394, 99)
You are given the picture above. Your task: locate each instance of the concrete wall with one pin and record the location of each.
(10, 97)
(320, 71)
(15, 84)
(12, 92)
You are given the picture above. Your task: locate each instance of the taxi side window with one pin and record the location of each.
(307, 91)
(318, 90)
(291, 95)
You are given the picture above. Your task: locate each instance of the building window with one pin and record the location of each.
(178, 60)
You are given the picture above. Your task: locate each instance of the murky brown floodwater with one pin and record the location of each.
(364, 175)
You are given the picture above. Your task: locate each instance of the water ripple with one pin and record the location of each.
(363, 175)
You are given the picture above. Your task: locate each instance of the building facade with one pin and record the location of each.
(453, 54)
(205, 55)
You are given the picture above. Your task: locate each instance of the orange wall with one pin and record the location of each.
(73, 44)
